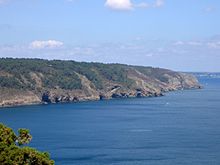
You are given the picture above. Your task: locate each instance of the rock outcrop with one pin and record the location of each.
(83, 81)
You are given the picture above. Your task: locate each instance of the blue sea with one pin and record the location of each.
(181, 128)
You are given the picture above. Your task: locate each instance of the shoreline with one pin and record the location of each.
(94, 100)
(37, 81)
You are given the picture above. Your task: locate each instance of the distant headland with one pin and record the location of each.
(36, 81)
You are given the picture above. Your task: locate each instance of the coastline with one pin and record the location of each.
(37, 81)
(93, 100)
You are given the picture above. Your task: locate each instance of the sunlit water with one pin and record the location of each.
(182, 127)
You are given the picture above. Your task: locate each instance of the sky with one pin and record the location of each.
(173, 34)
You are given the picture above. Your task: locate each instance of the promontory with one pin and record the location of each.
(36, 81)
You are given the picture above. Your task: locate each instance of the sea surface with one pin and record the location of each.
(181, 128)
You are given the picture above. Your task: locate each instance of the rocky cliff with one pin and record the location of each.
(35, 81)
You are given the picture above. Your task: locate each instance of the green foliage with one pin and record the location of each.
(10, 82)
(61, 74)
(24, 136)
(7, 136)
(115, 73)
(157, 73)
(55, 74)
(11, 153)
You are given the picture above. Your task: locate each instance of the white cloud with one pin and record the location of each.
(149, 55)
(119, 4)
(178, 43)
(129, 5)
(211, 43)
(201, 54)
(194, 43)
(159, 3)
(71, 1)
(215, 45)
(46, 44)
(189, 43)
(142, 5)
(209, 9)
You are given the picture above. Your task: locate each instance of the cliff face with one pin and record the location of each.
(34, 81)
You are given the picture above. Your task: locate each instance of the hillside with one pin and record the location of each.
(34, 81)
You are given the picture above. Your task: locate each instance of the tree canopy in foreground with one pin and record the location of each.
(12, 152)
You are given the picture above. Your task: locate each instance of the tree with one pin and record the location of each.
(12, 152)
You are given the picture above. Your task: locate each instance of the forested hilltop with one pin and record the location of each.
(30, 81)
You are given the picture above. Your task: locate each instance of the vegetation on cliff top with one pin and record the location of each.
(12, 152)
(19, 73)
